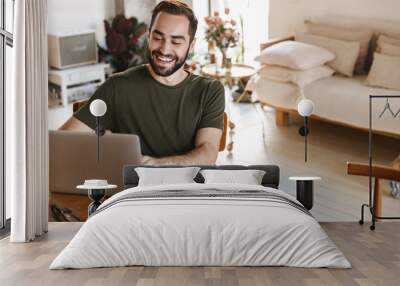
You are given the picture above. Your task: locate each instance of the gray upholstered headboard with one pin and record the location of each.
(270, 179)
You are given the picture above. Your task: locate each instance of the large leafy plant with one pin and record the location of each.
(126, 43)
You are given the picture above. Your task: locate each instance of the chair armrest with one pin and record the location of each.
(222, 142)
(274, 41)
(380, 172)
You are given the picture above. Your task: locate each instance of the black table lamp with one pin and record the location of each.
(98, 108)
(305, 108)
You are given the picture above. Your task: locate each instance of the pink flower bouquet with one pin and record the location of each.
(222, 32)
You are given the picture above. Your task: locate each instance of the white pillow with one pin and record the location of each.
(295, 55)
(248, 177)
(346, 53)
(298, 77)
(385, 72)
(163, 176)
(361, 35)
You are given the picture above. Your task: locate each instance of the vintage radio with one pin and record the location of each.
(72, 49)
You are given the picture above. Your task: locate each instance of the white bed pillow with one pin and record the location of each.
(295, 55)
(248, 177)
(361, 35)
(346, 53)
(385, 72)
(163, 176)
(297, 77)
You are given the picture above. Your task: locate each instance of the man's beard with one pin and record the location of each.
(161, 71)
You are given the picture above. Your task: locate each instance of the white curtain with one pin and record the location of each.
(26, 123)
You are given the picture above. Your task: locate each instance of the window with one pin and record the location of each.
(6, 43)
(254, 14)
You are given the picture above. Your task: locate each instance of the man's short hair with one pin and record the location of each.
(176, 8)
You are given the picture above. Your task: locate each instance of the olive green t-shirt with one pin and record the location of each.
(166, 118)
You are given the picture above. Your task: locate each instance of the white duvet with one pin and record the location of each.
(192, 231)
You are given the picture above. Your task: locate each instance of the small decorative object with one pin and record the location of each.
(96, 192)
(305, 108)
(126, 43)
(98, 108)
(394, 185)
(222, 33)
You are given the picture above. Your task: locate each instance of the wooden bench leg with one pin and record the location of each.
(377, 198)
(281, 118)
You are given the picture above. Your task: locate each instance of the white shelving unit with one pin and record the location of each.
(69, 86)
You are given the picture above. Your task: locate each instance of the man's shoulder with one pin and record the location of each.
(136, 72)
(210, 83)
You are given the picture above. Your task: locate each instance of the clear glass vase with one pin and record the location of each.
(225, 63)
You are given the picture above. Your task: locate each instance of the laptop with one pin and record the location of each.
(73, 158)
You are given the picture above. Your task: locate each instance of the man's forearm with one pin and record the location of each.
(75, 125)
(203, 155)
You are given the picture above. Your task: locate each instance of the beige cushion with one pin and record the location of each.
(388, 40)
(295, 55)
(346, 53)
(385, 72)
(297, 77)
(388, 49)
(363, 36)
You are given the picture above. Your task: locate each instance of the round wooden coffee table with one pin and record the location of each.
(237, 73)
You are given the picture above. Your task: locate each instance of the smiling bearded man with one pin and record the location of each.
(177, 115)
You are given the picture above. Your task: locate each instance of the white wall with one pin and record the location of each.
(142, 9)
(286, 15)
(67, 15)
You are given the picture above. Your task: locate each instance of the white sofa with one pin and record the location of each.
(337, 99)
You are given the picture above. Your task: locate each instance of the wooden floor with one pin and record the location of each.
(374, 255)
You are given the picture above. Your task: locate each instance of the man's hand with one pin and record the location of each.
(147, 160)
(205, 151)
(75, 124)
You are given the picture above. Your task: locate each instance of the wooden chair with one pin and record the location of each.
(222, 143)
(378, 173)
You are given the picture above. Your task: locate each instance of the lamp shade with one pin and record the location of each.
(98, 107)
(305, 107)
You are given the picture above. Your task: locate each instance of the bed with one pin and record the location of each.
(199, 224)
